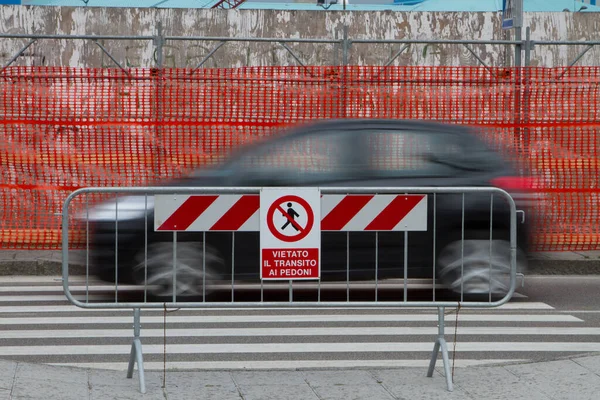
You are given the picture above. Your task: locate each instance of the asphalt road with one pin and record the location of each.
(551, 317)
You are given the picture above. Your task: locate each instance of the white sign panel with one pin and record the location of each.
(290, 233)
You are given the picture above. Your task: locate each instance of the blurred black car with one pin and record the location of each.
(359, 153)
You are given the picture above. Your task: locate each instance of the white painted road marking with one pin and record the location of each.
(295, 331)
(320, 348)
(215, 319)
(293, 364)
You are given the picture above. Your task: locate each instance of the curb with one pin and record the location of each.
(38, 268)
(563, 267)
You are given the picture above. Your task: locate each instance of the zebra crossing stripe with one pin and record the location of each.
(292, 364)
(72, 308)
(281, 332)
(282, 348)
(213, 319)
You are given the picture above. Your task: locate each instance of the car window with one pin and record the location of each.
(408, 152)
(304, 157)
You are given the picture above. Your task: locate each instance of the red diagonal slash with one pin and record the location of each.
(296, 225)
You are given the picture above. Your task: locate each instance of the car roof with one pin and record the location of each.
(351, 124)
(332, 125)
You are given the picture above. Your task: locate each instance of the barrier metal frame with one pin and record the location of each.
(440, 345)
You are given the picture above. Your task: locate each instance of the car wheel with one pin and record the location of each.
(190, 272)
(481, 270)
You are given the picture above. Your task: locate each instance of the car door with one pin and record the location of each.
(403, 157)
(316, 158)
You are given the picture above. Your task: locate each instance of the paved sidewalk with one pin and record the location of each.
(48, 262)
(574, 378)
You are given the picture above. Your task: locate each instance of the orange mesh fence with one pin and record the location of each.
(65, 128)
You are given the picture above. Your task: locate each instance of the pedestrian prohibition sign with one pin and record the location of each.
(290, 234)
(297, 232)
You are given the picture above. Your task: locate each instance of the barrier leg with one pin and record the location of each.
(440, 344)
(136, 354)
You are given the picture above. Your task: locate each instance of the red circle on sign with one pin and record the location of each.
(277, 206)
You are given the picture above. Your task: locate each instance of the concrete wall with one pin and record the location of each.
(281, 24)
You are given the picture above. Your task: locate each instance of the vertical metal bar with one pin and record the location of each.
(232, 264)
(291, 297)
(434, 238)
(518, 47)
(434, 354)
(344, 76)
(527, 46)
(65, 247)
(444, 347)
(146, 248)
(345, 46)
(87, 248)
(491, 240)
(136, 323)
(262, 291)
(348, 266)
(525, 101)
(376, 264)
(158, 162)
(513, 244)
(159, 42)
(116, 248)
(405, 266)
(204, 266)
(518, 95)
(174, 267)
(319, 287)
(462, 249)
(136, 354)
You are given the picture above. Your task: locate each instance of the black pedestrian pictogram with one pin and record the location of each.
(298, 209)
(292, 214)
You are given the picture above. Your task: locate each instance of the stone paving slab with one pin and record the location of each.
(280, 392)
(413, 384)
(560, 380)
(591, 363)
(496, 383)
(574, 378)
(8, 369)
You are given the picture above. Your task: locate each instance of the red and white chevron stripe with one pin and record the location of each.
(366, 212)
(199, 213)
(360, 212)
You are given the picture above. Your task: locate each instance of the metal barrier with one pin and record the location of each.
(178, 212)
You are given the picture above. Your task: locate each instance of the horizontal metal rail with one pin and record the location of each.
(149, 191)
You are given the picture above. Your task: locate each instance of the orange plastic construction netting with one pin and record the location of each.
(65, 128)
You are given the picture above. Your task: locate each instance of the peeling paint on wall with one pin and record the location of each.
(281, 24)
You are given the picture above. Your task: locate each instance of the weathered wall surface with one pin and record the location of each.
(280, 24)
